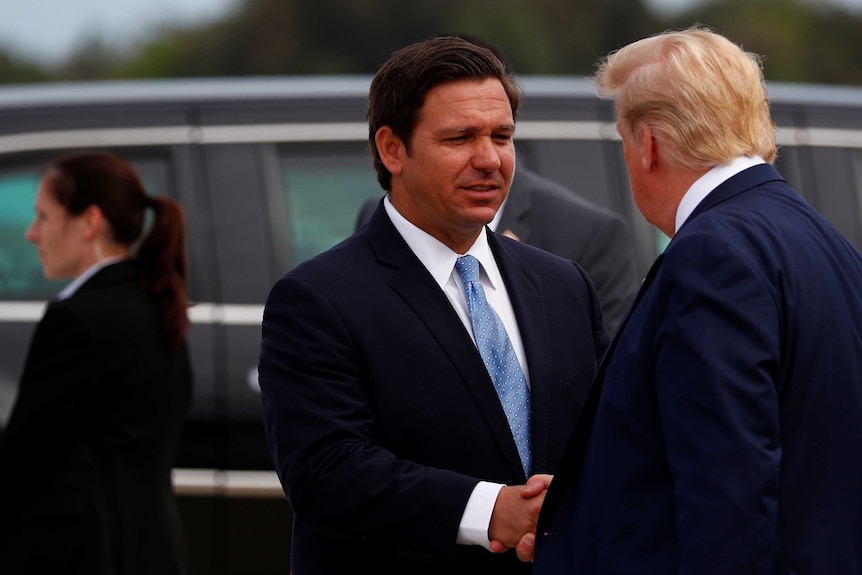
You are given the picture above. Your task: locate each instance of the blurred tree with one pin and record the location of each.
(269, 37)
(801, 40)
(16, 70)
(93, 59)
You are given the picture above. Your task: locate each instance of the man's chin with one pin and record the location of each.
(483, 214)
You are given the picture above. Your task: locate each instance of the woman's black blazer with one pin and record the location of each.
(85, 464)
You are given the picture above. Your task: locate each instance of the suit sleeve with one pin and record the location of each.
(320, 429)
(717, 356)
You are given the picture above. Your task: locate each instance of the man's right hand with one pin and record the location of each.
(513, 521)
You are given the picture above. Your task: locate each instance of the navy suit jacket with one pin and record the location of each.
(726, 421)
(380, 415)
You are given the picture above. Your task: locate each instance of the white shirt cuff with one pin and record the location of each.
(473, 529)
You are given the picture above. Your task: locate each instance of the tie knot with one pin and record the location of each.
(468, 267)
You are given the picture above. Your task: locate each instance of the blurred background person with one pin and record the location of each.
(85, 462)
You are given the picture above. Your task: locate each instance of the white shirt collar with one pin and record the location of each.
(437, 257)
(70, 289)
(708, 182)
(496, 221)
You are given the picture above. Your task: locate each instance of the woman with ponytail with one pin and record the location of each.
(86, 459)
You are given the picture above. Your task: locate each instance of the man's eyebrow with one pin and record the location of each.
(470, 129)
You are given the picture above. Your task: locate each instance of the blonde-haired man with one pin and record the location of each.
(723, 432)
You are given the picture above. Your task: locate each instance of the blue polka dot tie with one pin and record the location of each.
(499, 357)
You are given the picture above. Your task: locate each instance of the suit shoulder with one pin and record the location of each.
(550, 197)
(334, 264)
(536, 258)
(566, 203)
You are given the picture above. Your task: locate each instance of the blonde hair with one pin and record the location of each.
(702, 96)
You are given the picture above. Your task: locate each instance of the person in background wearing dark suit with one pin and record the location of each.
(85, 463)
(546, 214)
(384, 360)
(725, 425)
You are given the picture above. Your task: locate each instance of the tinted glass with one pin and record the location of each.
(20, 272)
(323, 193)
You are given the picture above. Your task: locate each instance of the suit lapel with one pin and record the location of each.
(414, 284)
(577, 446)
(645, 283)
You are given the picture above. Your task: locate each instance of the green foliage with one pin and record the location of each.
(15, 70)
(93, 59)
(803, 41)
(800, 42)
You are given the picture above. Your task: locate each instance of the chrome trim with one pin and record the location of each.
(269, 133)
(230, 314)
(32, 141)
(12, 311)
(566, 131)
(226, 483)
(200, 313)
(351, 131)
(823, 137)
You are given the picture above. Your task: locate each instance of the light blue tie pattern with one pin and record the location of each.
(499, 356)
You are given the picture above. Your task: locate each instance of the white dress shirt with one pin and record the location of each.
(439, 260)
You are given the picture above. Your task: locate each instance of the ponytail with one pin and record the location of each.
(162, 259)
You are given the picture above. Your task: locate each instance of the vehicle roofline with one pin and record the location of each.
(214, 90)
(182, 90)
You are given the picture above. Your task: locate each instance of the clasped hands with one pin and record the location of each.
(516, 512)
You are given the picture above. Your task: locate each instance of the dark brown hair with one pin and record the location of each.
(111, 183)
(399, 88)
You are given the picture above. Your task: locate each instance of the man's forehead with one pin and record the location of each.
(453, 103)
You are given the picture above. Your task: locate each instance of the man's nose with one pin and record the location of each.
(486, 156)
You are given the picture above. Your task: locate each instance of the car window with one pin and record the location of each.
(323, 193)
(20, 272)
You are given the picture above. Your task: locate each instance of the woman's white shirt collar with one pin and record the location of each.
(70, 289)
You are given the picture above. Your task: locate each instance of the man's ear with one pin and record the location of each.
(391, 149)
(649, 147)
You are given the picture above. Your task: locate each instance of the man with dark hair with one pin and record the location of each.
(417, 375)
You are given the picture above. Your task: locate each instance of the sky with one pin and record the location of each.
(48, 30)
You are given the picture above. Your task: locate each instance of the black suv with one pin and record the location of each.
(274, 171)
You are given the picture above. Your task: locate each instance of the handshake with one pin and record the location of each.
(516, 512)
